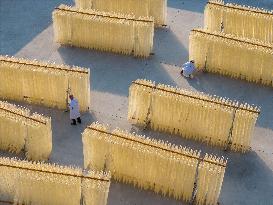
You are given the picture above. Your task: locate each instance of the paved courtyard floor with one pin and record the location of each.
(26, 31)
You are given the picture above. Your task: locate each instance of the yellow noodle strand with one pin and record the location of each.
(220, 53)
(209, 182)
(238, 20)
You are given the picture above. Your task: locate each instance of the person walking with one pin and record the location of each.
(74, 110)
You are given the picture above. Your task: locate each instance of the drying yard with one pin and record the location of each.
(26, 31)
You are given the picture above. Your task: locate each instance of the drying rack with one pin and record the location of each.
(158, 147)
(195, 97)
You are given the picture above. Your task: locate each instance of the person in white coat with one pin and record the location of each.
(74, 110)
(188, 69)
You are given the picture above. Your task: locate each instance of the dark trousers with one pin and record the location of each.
(78, 120)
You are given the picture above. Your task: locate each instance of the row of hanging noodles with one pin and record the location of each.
(225, 54)
(153, 164)
(43, 83)
(155, 8)
(105, 31)
(20, 130)
(210, 119)
(239, 20)
(39, 183)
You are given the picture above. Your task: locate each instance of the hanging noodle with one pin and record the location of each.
(43, 83)
(209, 181)
(146, 163)
(39, 138)
(238, 58)
(19, 130)
(42, 184)
(111, 32)
(197, 116)
(239, 20)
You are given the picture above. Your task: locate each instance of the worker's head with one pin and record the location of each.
(71, 97)
(192, 61)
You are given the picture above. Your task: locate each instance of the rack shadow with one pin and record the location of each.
(21, 21)
(248, 180)
(113, 73)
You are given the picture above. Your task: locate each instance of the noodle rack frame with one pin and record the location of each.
(158, 147)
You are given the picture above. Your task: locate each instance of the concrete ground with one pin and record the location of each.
(26, 31)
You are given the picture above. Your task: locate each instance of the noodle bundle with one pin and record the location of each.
(104, 31)
(209, 119)
(151, 164)
(238, 20)
(240, 58)
(43, 83)
(43, 184)
(20, 130)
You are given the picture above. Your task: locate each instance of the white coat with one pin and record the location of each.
(188, 69)
(74, 109)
